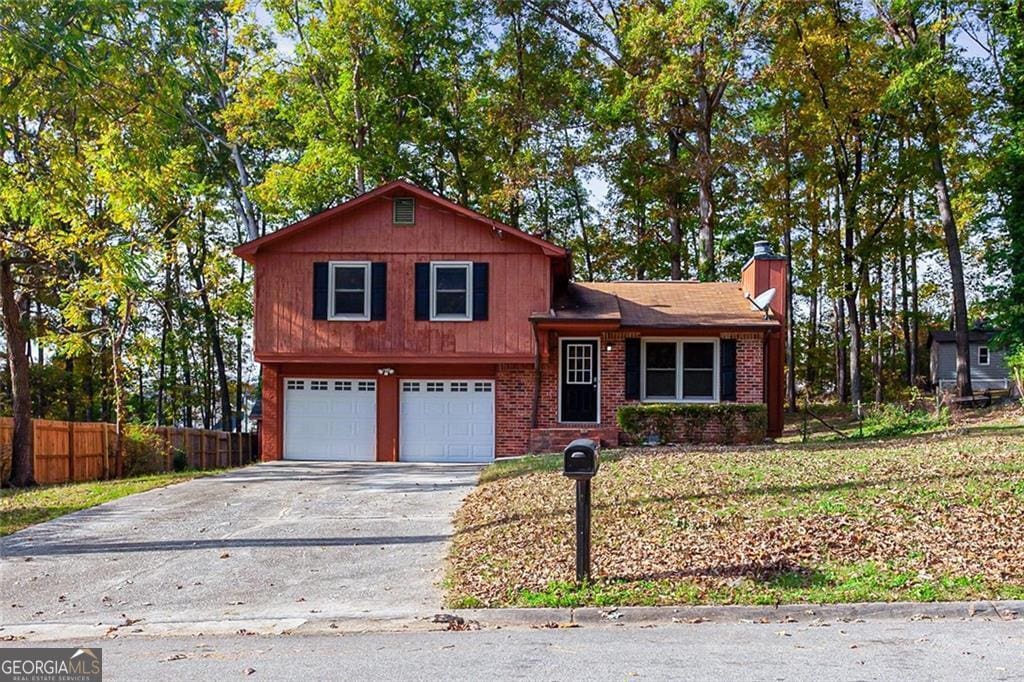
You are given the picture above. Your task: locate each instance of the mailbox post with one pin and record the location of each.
(580, 464)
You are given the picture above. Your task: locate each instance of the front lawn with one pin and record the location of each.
(20, 508)
(936, 516)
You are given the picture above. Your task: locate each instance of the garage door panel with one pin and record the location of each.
(330, 419)
(447, 421)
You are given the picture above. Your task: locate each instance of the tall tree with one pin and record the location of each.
(929, 81)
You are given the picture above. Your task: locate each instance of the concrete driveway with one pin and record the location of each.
(283, 540)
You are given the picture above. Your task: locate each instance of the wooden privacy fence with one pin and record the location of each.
(84, 451)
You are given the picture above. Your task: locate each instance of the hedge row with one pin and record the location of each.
(694, 422)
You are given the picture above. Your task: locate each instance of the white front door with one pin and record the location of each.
(444, 420)
(330, 419)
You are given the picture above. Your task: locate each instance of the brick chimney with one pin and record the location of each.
(766, 270)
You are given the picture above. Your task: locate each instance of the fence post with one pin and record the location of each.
(202, 450)
(106, 453)
(71, 451)
(167, 449)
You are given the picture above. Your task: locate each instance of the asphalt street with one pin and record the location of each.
(882, 650)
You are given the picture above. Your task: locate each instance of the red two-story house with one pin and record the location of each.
(400, 326)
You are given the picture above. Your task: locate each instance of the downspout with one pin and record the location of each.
(764, 377)
(536, 376)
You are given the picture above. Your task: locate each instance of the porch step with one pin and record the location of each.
(555, 439)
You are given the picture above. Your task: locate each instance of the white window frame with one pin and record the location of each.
(448, 317)
(366, 290)
(679, 341)
(988, 356)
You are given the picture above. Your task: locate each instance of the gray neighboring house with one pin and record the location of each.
(988, 364)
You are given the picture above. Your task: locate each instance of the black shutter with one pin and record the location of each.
(632, 369)
(727, 365)
(320, 292)
(423, 291)
(480, 276)
(378, 291)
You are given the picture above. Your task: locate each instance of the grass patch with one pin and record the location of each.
(861, 582)
(532, 464)
(931, 516)
(23, 507)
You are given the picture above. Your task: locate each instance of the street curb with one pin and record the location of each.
(540, 617)
(474, 619)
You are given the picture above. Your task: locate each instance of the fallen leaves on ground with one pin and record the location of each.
(761, 524)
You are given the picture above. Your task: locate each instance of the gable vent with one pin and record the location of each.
(404, 211)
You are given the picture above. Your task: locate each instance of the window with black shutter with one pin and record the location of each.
(727, 353)
(349, 291)
(451, 287)
(679, 370)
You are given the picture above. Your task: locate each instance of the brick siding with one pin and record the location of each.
(513, 401)
(551, 434)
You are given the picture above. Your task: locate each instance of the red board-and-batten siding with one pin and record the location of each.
(519, 284)
(289, 342)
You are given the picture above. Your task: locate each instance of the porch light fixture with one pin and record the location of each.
(608, 347)
(386, 371)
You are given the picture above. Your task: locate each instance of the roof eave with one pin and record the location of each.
(248, 250)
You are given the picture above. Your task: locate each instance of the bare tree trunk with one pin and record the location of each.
(360, 124)
(212, 330)
(238, 357)
(22, 473)
(165, 331)
(787, 239)
(90, 391)
(914, 295)
(706, 206)
(850, 295)
(117, 375)
(675, 207)
(842, 357)
(810, 372)
(588, 256)
(956, 266)
(908, 375)
(877, 310)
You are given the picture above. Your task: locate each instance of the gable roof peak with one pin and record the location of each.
(248, 249)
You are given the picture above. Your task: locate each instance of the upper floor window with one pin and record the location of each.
(680, 370)
(982, 355)
(350, 291)
(450, 287)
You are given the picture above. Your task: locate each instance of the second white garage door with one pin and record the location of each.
(330, 419)
(446, 421)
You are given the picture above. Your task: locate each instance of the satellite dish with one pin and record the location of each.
(762, 301)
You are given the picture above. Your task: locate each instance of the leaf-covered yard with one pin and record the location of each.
(936, 516)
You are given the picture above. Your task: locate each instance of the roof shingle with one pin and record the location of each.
(658, 304)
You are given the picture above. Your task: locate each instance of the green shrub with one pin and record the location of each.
(688, 421)
(1015, 361)
(143, 451)
(894, 419)
(179, 460)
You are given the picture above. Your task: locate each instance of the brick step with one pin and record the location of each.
(555, 439)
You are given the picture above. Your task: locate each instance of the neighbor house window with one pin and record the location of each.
(982, 355)
(680, 370)
(450, 284)
(350, 291)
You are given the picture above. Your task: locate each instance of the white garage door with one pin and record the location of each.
(330, 419)
(447, 421)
